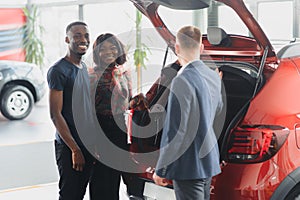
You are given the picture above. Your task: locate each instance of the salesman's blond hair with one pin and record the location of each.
(189, 37)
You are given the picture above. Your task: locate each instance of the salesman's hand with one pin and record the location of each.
(159, 180)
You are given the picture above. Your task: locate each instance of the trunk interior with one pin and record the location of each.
(239, 82)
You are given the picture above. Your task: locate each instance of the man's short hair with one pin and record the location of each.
(74, 24)
(189, 37)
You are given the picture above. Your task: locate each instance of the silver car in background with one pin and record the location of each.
(21, 85)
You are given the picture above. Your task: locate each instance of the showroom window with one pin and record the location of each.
(278, 24)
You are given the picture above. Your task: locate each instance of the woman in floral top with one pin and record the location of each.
(111, 82)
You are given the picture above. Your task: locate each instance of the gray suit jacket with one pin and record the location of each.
(189, 148)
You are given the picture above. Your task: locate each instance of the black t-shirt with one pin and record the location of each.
(62, 76)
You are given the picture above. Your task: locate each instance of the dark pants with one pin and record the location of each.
(72, 184)
(135, 185)
(105, 180)
(105, 183)
(192, 189)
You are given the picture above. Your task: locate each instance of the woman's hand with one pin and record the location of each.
(138, 102)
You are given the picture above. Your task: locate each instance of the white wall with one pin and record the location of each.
(117, 18)
(54, 21)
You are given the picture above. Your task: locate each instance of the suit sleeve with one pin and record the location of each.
(174, 138)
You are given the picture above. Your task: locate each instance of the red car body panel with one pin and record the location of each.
(241, 49)
(259, 180)
(261, 150)
(279, 104)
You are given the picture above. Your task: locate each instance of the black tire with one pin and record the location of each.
(294, 194)
(16, 102)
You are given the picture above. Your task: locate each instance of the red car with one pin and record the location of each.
(260, 140)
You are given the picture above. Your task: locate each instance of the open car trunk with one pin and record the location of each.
(239, 83)
(246, 62)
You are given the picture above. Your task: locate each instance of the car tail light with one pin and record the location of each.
(253, 144)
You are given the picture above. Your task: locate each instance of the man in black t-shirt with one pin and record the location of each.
(73, 160)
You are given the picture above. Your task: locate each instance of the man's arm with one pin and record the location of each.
(180, 125)
(56, 102)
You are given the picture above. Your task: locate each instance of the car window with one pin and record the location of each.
(281, 32)
(225, 19)
(219, 15)
(167, 15)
